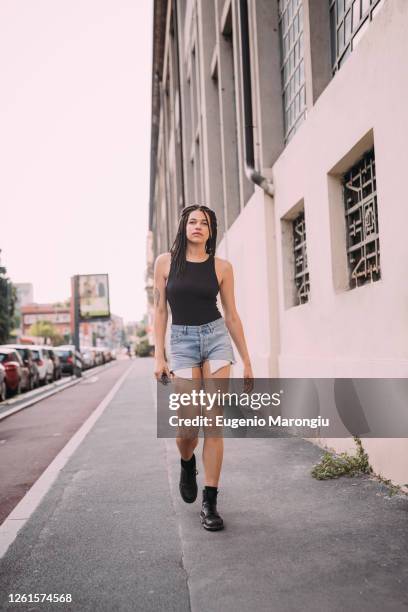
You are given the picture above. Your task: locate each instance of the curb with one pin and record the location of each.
(44, 394)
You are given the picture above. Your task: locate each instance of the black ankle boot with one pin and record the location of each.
(209, 516)
(188, 481)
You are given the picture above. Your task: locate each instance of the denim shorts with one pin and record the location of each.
(190, 345)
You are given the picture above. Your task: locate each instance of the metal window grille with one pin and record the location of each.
(363, 243)
(348, 20)
(300, 256)
(292, 64)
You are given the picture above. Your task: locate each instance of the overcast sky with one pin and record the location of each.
(75, 82)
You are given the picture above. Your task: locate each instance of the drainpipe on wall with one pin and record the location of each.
(176, 36)
(252, 174)
(165, 169)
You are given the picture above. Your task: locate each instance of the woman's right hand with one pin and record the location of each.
(161, 368)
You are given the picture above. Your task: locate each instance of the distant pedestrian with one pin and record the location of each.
(190, 277)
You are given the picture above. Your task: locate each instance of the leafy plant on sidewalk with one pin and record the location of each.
(334, 466)
(393, 489)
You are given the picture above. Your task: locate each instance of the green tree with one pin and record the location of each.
(143, 349)
(46, 330)
(17, 319)
(141, 332)
(7, 305)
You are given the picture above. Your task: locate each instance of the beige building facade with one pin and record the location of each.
(287, 118)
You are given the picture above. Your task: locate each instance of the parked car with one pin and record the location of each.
(17, 374)
(69, 358)
(88, 360)
(29, 361)
(98, 356)
(106, 354)
(57, 373)
(3, 386)
(44, 363)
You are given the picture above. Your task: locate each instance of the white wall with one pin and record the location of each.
(245, 246)
(340, 333)
(364, 331)
(361, 332)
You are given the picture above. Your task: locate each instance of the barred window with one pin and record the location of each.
(348, 21)
(360, 200)
(292, 64)
(300, 257)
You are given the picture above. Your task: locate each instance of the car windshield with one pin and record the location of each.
(3, 357)
(36, 354)
(62, 353)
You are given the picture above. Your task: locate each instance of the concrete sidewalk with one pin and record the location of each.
(114, 532)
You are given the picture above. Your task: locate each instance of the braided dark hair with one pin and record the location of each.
(178, 250)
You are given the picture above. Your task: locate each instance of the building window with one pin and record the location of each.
(360, 201)
(348, 21)
(300, 258)
(292, 64)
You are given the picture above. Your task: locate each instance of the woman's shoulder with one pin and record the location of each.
(163, 259)
(223, 267)
(223, 264)
(162, 264)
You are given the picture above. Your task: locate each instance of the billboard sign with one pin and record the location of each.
(93, 296)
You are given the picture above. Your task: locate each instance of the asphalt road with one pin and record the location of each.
(31, 438)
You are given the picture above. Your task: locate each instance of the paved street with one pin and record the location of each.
(113, 531)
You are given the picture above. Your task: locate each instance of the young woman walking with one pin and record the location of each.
(189, 277)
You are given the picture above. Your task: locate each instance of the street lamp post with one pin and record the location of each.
(77, 369)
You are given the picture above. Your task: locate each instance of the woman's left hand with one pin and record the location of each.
(248, 376)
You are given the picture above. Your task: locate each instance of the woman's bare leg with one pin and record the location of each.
(187, 444)
(186, 447)
(213, 448)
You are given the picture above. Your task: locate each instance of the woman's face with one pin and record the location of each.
(197, 228)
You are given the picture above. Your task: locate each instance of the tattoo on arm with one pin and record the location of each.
(156, 296)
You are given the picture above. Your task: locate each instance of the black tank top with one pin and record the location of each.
(193, 295)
